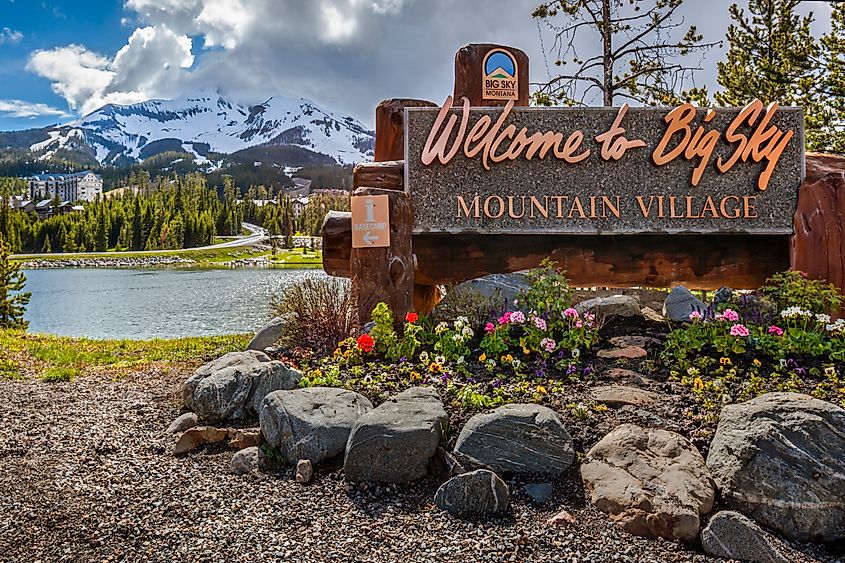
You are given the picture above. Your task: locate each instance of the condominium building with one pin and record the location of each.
(84, 186)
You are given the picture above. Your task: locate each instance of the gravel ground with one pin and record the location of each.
(87, 475)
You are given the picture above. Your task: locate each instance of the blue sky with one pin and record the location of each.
(63, 58)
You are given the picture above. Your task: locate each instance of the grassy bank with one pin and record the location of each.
(211, 257)
(47, 357)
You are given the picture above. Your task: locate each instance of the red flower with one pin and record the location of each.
(366, 343)
(412, 317)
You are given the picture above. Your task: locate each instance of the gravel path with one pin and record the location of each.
(87, 475)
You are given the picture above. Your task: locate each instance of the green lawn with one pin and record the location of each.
(58, 358)
(291, 257)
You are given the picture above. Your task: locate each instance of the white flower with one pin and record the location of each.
(424, 357)
(441, 328)
(457, 337)
(576, 353)
(822, 318)
(461, 322)
(515, 364)
(468, 332)
(461, 360)
(837, 326)
(794, 311)
(439, 360)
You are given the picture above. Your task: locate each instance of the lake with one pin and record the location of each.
(154, 303)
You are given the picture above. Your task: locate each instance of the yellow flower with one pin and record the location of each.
(725, 361)
(542, 390)
(525, 350)
(698, 384)
(415, 376)
(434, 367)
(842, 390)
(482, 358)
(757, 362)
(506, 359)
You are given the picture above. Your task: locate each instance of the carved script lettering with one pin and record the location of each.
(684, 139)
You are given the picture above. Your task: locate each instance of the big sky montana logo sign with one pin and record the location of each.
(604, 170)
(500, 76)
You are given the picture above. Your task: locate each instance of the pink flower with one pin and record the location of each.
(731, 315)
(739, 330)
(489, 327)
(517, 317)
(776, 330)
(695, 315)
(548, 345)
(578, 324)
(505, 319)
(540, 323)
(571, 313)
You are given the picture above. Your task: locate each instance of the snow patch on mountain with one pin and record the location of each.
(207, 122)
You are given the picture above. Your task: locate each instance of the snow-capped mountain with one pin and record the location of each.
(209, 123)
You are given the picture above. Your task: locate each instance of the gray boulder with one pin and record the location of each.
(516, 438)
(680, 303)
(182, 423)
(245, 460)
(539, 493)
(615, 305)
(495, 292)
(780, 458)
(730, 535)
(394, 442)
(477, 493)
(268, 335)
(654, 483)
(312, 423)
(234, 385)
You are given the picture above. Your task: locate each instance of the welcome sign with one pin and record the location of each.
(603, 170)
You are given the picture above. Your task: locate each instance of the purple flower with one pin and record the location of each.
(496, 384)
(539, 372)
(588, 370)
(444, 378)
(470, 380)
(571, 369)
(403, 359)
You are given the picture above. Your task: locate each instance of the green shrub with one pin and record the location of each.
(60, 373)
(794, 289)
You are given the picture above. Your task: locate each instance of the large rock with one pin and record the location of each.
(182, 423)
(615, 305)
(780, 458)
(730, 535)
(234, 385)
(496, 292)
(654, 483)
(516, 438)
(268, 335)
(680, 303)
(620, 395)
(477, 493)
(312, 423)
(394, 442)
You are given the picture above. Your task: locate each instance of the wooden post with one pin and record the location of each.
(469, 63)
(386, 274)
(390, 146)
(390, 127)
(818, 242)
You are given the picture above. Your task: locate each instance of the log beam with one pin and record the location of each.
(386, 274)
(388, 175)
(390, 127)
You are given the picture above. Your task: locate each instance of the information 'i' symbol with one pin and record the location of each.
(371, 206)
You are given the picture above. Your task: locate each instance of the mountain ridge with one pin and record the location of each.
(206, 126)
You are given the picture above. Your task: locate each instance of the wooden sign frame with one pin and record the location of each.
(406, 274)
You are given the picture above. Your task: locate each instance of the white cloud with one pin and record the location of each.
(8, 35)
(150, 64)
(20, 108)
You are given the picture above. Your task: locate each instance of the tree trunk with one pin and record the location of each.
(607, 47)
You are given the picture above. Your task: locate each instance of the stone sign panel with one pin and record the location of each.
(604, 170)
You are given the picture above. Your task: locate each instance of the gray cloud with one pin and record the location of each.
(344, 54)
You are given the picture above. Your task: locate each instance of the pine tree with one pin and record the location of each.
(770, 55)
(13, 300)
(47, 247)
(826, 118)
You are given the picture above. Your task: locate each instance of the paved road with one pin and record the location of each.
(256, 236)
